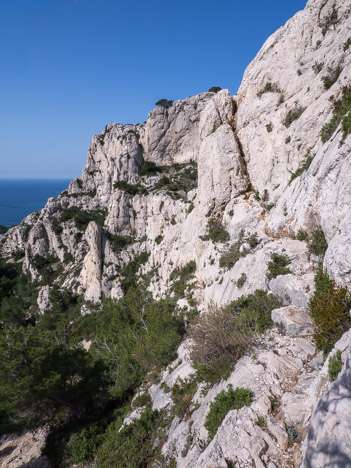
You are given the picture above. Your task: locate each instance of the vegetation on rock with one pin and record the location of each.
(334, 366)
(224, 402)
(223, 335)
(216, 231)
(278, 265)
(330, 310)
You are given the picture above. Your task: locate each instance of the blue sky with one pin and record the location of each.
(69, 67)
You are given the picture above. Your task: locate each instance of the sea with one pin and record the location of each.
(20, 197)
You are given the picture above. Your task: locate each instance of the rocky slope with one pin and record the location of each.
(228, 159)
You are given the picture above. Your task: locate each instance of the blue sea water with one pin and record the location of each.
(20, 197)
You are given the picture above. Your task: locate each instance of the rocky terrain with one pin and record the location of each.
(205, 180)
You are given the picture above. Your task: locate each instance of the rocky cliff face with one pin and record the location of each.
(154, 188)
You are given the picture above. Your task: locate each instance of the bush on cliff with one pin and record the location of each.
(330, 309)
(223, 335)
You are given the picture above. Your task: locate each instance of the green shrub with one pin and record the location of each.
(158, 239)
(118, 242)
(269, 127)
(329, 308)
(229, 257)
(331, 78)
(166, 103)
(143, 399)
(301, 235)
(149, 168)
(287, 139)
(180, 179)
(330, 20)
(191, 207)
(80, 217)
(48, 267)
(341, 111)
(293, 115)
(346, 45)
(214, 89)
(128, 273)
(129, 188)
(241, 280)
(318, 244)
(43, 380)
(82, 446)
(17, 255)
(306, 164)
(182, 394)
(334, 366)
(224, 402)
(181, 278)
(269, 88)
(135, 445)
(216, 231)
(277, 265)
(56, 226)
(101, 137)
(68, 257)
(223, 335)
(17, 295)
(317, 67)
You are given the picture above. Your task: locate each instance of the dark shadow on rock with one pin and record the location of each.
(317, 445)
(41, 462)
(7, 450)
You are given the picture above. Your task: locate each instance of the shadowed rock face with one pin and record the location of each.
(228, 159)
(329, 439)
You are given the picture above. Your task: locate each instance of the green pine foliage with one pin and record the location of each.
(216, 231)
(80, 217)
(334, 366)
(329, 308)
(278, 265)
(341, 114)
(224, 402)
(318, 244)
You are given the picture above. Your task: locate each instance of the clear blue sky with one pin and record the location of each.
(69, 67)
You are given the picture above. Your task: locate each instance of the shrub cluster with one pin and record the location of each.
(293, 115)
(334, 366)
(341, 111)
(166, 103)
(119, 242)
(216, 231)
(177, 180)
(128, 273)
(278, 265)
(135, 445)
(214, 89)
(318, 244)
(329, 308)
(330, 20)
(182, 394)
(330, 79)
(130, 188)
(306, 164)
(181, 278)
(269, 88)
(80, 217)
(223, 335)
(229, 258)
(224, 402)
